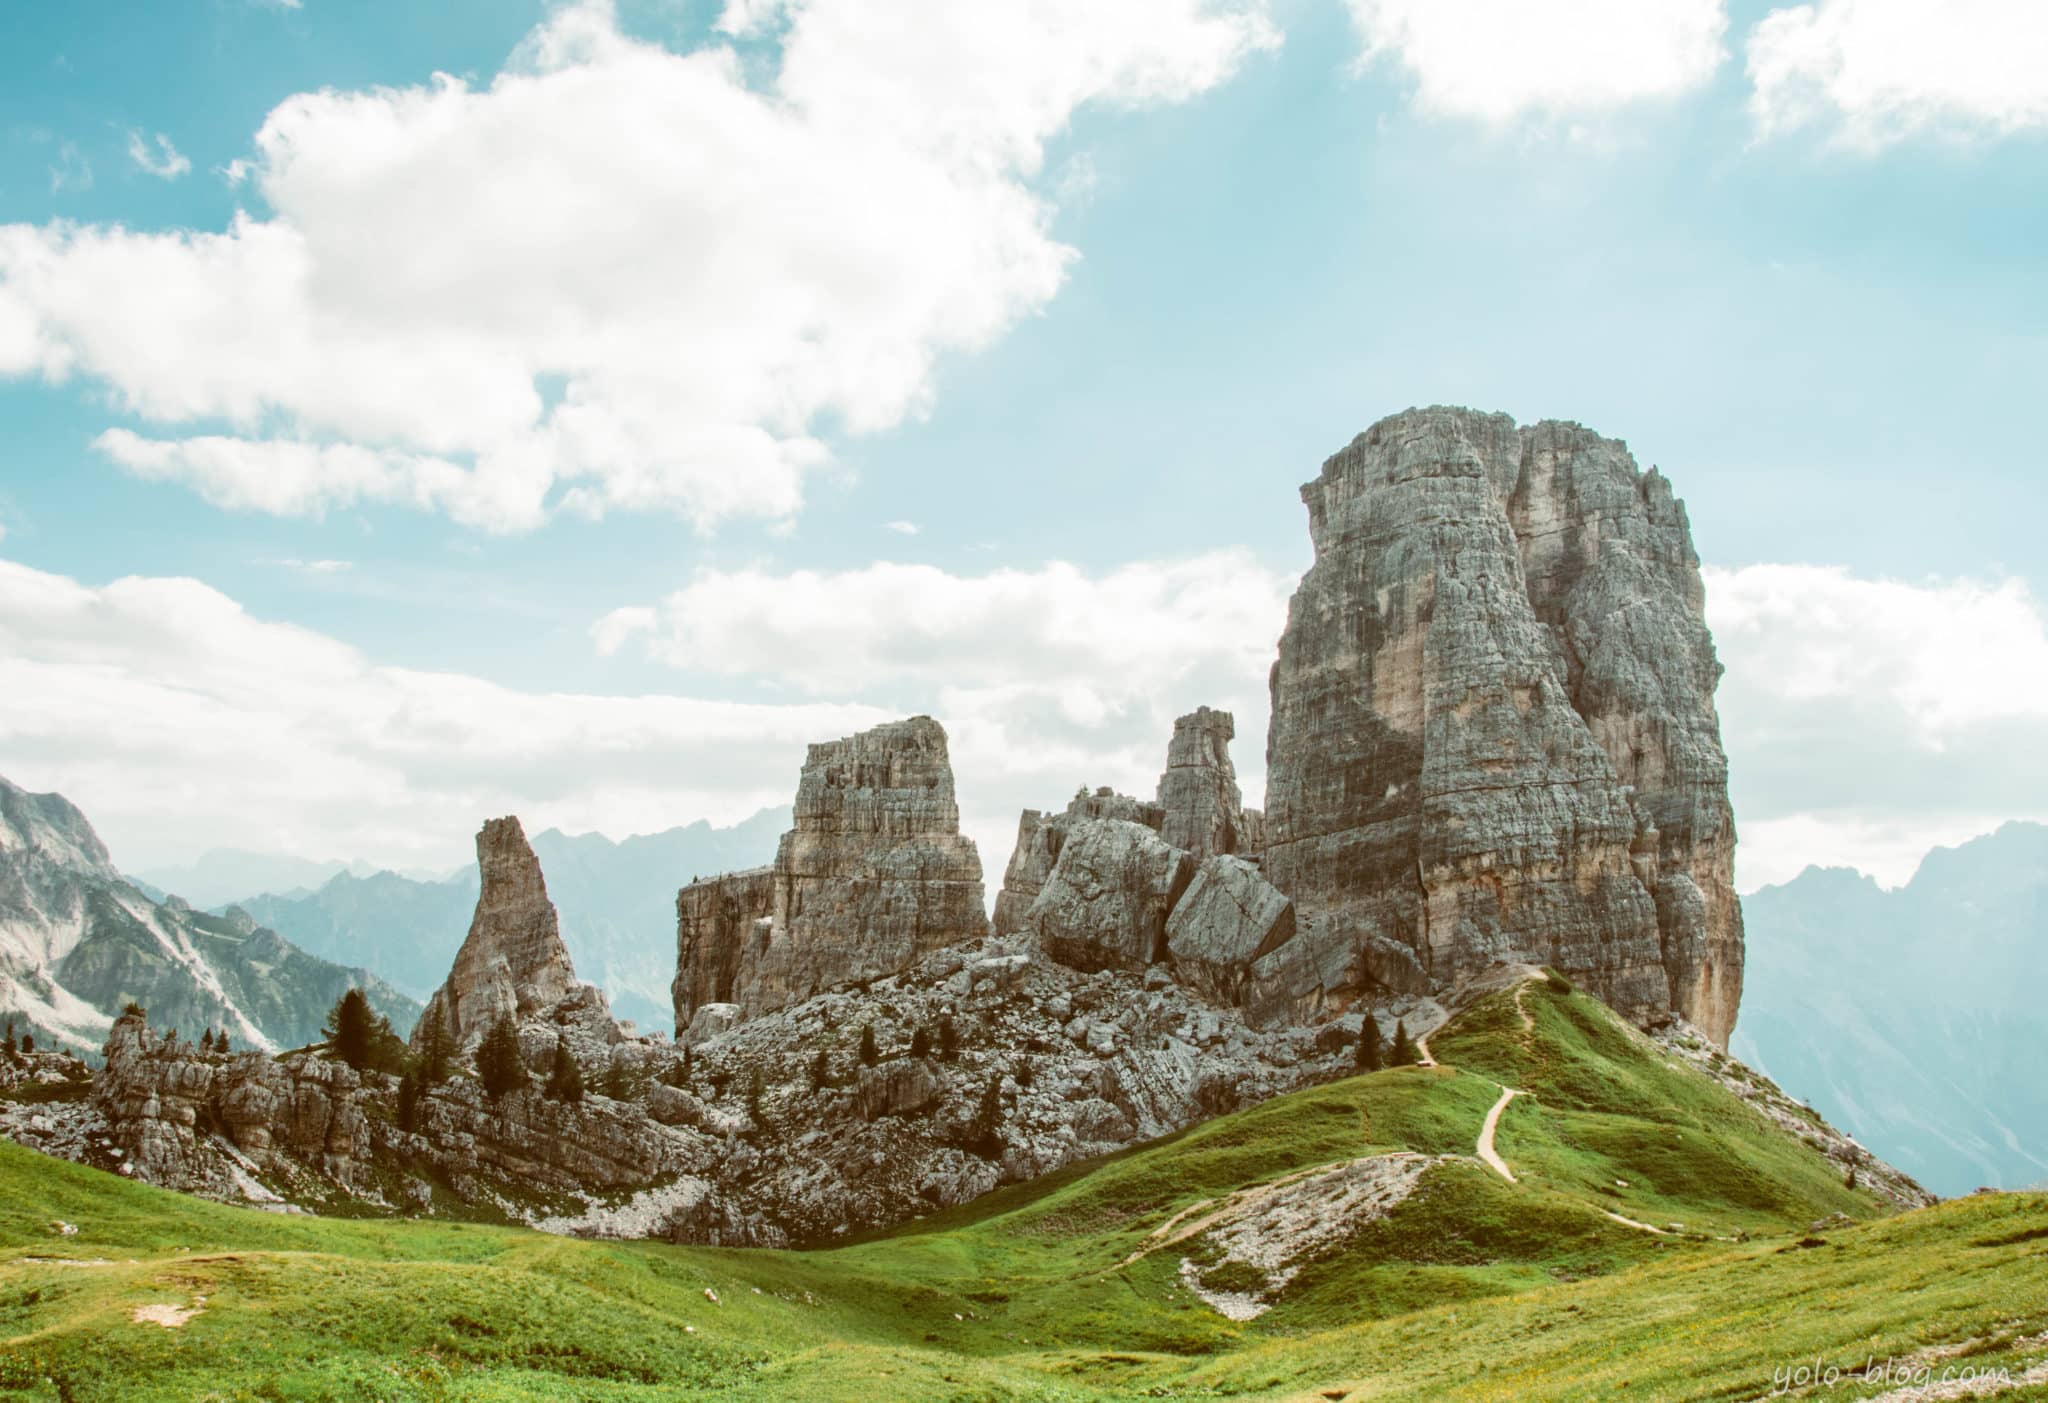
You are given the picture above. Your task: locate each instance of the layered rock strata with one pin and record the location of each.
(1493, 734)
(874, 874)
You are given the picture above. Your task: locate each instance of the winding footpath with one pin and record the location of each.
(1486, 1150)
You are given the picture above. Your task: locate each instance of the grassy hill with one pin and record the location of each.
(1657, 1239)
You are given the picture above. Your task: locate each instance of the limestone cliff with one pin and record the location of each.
(1493, 732)
(1203, 811)
(873, 875)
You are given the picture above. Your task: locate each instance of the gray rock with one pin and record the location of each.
(1106, 902)
(1228, 918)
(1494, 701)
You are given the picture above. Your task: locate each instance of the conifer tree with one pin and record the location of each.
(499, 1064)
(920, 1044)
(988, 1119)
(565, 1078)
(351, 1029)
(688, 1072)
(409, 1101)
(1370, 1056)
(754, 1089)
(1405, 1053)
(821, 1071)
(949, 1039)
(869, 1054)
(437, 1052)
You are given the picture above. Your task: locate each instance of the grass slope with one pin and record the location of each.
(1472, 1287)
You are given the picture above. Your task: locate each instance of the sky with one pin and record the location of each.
(420, 413)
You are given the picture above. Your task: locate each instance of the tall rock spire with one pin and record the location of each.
(1493, 731)
(513, 961)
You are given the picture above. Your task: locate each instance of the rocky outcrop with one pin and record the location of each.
(1106, 902)
(1493, 735)
(1203, 811)
(873, 875)
(1228, 919)
(513, 963)
(1040, 837)
(719, 920)
(211, 1122)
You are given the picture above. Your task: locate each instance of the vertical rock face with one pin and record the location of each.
(716, 921)
(513, 961)
(874, 874)
(1493, 732)
(1106, 903)
(1198, 791)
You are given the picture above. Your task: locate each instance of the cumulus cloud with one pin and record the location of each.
(616, 276)
(1868, 721)
(1876, 71)
(1498, 60)
(180, 722)
(165, 162)
(1047, 679)
(901, 528)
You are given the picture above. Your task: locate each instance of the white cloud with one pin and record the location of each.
(165, 162)
(615, 276)
(1498, 60)
(1881, 70)
(313, 567)
(1868, 721)
(72, 172)
(179, 722)
(1047, 679)
(901, 528)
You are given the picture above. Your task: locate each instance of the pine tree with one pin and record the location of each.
(28, 1043)
(499, 1064)
(1405, 1054)
(351, 1029)
(688, 1071)
(437, 1052)
(565, 1078)
(949, 1039)
(1370, 1056)
(409, 1101)
(869, 1055)
(920, 1043)
(821, 1071)
(988, 1119)
(754, 1090)
(12, 1045)
(1022, 1075)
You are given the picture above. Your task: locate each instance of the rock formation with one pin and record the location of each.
(513, 963)
(1203, 811)
(1105, 903)
(1493, 732)
(1040, 836)
(873, 875)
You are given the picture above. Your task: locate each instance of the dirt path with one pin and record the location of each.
(1632, 1223)
(1486, 1150)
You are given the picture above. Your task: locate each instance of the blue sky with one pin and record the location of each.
(1084, 316)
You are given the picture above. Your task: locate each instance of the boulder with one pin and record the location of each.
(1106, 902)
(1228, 918)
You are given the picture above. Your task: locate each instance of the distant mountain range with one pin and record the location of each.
(617, 902)
(222, 875)
(78, 942)
(1913, 1018)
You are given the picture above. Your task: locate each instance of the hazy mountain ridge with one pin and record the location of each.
(78, 941)
(617, 902)
(1909, 1016)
